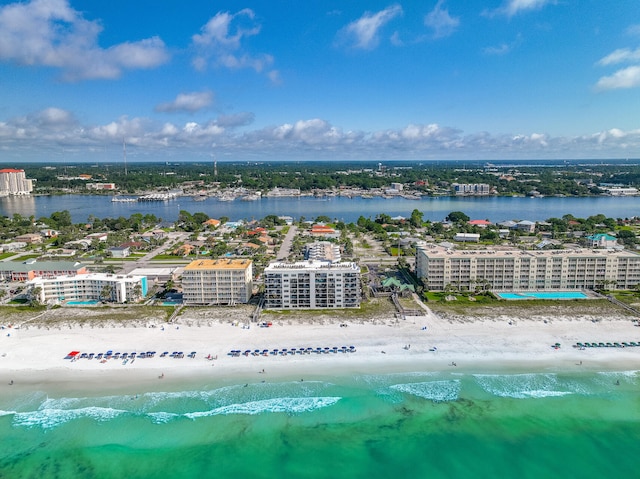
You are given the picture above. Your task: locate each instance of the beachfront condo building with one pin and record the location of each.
(511, 269)
(89, 287)
(312, 285)
(217, 281)
(14, 182)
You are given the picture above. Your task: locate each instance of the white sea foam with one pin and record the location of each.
(438, 391)
(50, 418)
(162, 417)
(545, 394)
(284, 405)
(6, 413)
(520, 386)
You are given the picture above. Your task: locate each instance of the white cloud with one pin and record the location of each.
(441, 22)
(621, 55)
(511, 8)
(503, 48)
(221, 42)
(626, 78)
(38, 134)
(363, 33)
(189, 102)
(236, 120)
(51, 33)
(633, 30)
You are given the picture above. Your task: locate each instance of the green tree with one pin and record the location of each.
(61, 219)
(457, 217)
(106, 292)
(416, 218)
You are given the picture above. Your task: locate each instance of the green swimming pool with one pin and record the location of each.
(543, 295)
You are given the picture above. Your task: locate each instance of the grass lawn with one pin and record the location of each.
(118, 260)
(628, 297)
(29, 256)
(164, 257)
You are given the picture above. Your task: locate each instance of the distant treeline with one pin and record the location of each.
(570, 179)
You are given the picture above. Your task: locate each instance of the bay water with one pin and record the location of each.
(494, 208)
(419, 424)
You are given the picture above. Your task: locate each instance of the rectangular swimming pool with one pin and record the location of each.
(82, 303)
(543, 295)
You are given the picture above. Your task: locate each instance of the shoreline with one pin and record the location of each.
(33, 358)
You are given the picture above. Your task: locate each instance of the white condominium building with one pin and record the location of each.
(14, 182)
(90, 287)
(513, 269)
(323, 251)
(219, 281)
(312, 285)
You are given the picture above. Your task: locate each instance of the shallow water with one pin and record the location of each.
(422, 424)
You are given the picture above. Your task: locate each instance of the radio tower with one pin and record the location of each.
(124, 153)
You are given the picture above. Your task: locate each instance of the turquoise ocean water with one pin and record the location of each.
(435, 425)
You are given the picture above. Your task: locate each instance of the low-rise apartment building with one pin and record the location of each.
(312, 285)
(90, 287)
(323, 251)
(30, 269)
(513, 269)
(219, 281)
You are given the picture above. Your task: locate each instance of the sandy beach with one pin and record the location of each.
(34, 356)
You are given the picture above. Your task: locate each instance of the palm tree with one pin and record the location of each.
(137, 291)
(34, 296)
(107, 292)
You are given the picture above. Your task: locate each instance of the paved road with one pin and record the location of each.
(145, 261)
(287, 242)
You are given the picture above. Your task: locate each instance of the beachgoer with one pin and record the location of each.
(11, 383)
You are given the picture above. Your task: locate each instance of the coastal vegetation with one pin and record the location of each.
(428, 178)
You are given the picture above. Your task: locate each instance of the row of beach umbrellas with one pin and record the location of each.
(292, 351)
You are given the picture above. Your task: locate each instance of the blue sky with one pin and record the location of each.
(318, 80)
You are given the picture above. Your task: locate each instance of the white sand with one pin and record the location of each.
(35, 357)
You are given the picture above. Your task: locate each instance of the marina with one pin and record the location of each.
(345, 209)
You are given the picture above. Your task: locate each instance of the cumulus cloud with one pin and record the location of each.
(48, 130)
(625, 78)
(441, 22)
(187, 102)
(220, 42)
(621, 55)
(51, 33)
(628, 77)
(364, 33)
(511, 8)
